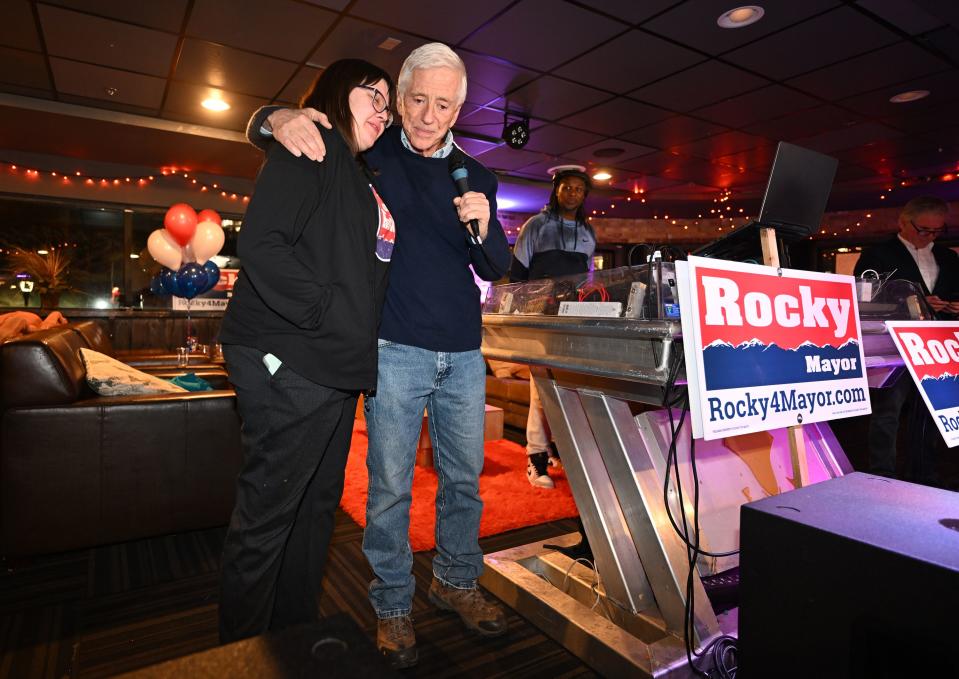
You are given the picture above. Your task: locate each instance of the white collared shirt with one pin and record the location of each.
(925, 260)
(442, 152)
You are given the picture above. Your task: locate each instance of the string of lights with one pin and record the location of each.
(80, 178)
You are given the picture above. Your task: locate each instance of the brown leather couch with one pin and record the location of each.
(78, 469)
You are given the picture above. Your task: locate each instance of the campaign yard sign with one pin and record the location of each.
(768, 348)
(931, 352)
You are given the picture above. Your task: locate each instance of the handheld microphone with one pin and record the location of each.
(460, 176)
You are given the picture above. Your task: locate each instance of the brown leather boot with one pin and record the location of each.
(478, 613)
(396, 640)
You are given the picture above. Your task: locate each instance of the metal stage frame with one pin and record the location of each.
(626, 617)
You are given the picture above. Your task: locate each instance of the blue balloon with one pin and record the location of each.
(156, 286)
(190, 280)
(168, 281)
(212, 275)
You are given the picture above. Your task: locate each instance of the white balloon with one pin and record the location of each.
(164, 249)
(207, 241)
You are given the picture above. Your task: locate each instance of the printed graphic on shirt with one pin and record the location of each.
(385, 231)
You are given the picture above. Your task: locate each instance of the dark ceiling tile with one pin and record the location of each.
(720, 145)
(945, 40)
(630, 10)
(106, 42)
(698, 86)
(673, 132)
(448, 22)
(847, 172)
(299, 84)
(28, 69)
(488, 79)
(279, 28)
(805, 123)
(183, 103)
(540, 169)
(167, 15)
(921, 120)
(894, 64)
(903, 14)
(474, 147)
(759, 159)
(634, 181)
(558, 139)
(337, 5)
(620, 65)
(550, 98)
(505, 158)
(694, 23)
(482, 120)
(653, 163)
(587, 154)
(542, 34)
(926, 162)
(885, 151)
(762, 104)
(207, 63)
(87, 80)
(362, 40)
(849, 137)
(826, 39)
(616, 116)
(943, 88)
(18, 29)
(111, 105)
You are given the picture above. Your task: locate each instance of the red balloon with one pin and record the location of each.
(209, 215)
(180, 221)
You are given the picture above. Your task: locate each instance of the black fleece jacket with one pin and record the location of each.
(311, 288)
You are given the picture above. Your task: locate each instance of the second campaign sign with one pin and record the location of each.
(768, 348)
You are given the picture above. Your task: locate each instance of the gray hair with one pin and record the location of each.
(923, 205)
(431, 55)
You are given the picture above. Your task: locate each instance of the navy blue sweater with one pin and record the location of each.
(432, 301)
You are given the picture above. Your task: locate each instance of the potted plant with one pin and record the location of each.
(48, 271)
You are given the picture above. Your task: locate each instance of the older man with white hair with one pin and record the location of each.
(429, 341)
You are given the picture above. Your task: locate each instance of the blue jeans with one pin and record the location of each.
(451, 387)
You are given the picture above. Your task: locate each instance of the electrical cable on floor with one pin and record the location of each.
(722, 650)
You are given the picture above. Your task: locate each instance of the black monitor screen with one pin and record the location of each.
(797, 190)
(795, 198)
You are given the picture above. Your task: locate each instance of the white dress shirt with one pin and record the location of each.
(925, 261)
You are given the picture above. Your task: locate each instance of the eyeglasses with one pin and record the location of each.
(929, 232)
(379, 103)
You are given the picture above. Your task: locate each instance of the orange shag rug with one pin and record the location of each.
(509, 501)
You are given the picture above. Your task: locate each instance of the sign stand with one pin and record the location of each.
(797, 443)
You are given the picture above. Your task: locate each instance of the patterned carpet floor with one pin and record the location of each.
(104, 611)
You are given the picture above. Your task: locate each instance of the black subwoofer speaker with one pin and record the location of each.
(853, 577)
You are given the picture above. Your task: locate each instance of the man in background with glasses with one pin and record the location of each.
(913, 255)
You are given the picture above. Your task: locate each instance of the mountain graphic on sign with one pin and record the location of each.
(754, 363)
(942, 391)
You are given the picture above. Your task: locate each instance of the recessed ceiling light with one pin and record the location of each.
(214, 104)
(389, 44)
(602, 176)
(911, 95)
(741, 16)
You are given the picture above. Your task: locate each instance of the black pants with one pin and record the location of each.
(296, 438)
(895, 407)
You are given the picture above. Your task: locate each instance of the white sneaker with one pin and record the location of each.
(536, 471)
